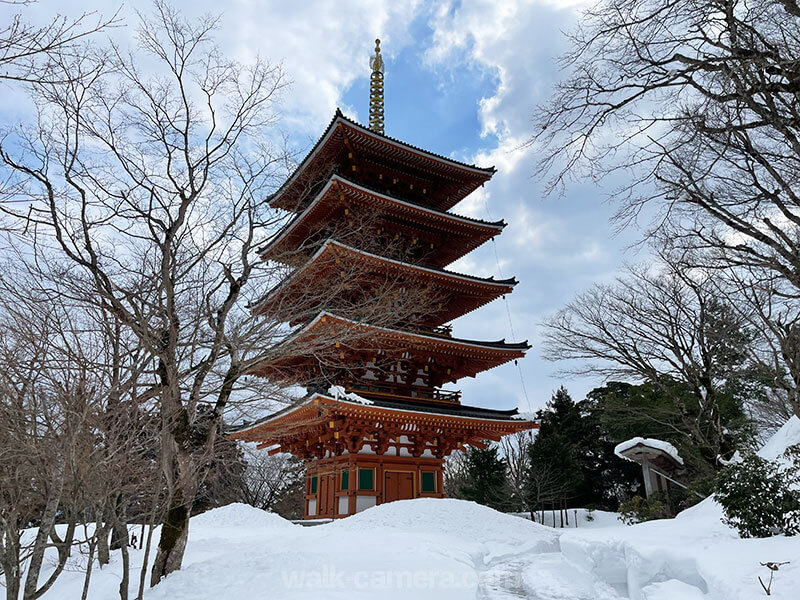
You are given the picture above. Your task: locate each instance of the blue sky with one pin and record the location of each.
(462, 79)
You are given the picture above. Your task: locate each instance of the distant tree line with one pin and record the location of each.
(569, 462)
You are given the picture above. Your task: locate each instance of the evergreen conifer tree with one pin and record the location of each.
(485, 478)
(574, 455)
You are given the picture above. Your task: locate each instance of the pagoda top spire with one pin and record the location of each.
(376, 119)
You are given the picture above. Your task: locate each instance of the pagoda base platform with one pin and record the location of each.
(343, 485)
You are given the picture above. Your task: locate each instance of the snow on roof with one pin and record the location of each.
(665, 447)
(338, 393)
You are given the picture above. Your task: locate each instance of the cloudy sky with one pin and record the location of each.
(462, 79)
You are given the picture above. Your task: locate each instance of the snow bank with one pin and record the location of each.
(467, 523)
(694, 556)
(238, 515)
(786, 436)
(425, 548)
(652, 442)
(694, 553)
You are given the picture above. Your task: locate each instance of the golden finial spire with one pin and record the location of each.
(376, 90)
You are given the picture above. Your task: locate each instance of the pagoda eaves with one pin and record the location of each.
(315, 346)
(458, 295)
(369, 298)
(451, 235)
(325, 425)
(440, 182)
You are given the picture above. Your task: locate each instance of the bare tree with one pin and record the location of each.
(546, 489)
(696, 104)
(455, 474)
(516, 451)
(26, 51)
(72, 431)
(771, 307)
(658, 326)
(266, 477)
(154, 189)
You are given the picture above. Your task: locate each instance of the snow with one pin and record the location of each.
(786, 436)
(339, 393)
(237, 515)
(692, 556)
(419, 547)
(665, 447)
(443, 549)
(588, 519)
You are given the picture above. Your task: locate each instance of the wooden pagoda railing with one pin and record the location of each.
(440, 396)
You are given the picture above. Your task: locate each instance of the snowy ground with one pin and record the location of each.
(451, 549)
(575, 518)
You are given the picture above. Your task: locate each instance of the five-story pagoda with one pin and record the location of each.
(376, 424)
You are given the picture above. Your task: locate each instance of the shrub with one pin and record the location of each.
(638, 509)
(761, 497)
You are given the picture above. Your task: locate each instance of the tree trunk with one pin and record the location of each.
(102, 544)
(88, 575)
(126, 568)
(175, 525)
(12, 584)
(64, 548)
(46, 525)
(119, 525)
(143, 572)
(101, 533)
(9, 561)
(174, 534)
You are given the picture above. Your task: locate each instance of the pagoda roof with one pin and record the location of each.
(320, 410)
(471, 232)
(473, 356)
(470, 292)
(462, 178)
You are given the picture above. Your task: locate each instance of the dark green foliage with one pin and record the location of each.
(485, 478)
(573, 460)
(761, 497)
(638, 509)
(669, 410)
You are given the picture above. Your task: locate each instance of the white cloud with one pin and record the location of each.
(555, 246)
(324, 46)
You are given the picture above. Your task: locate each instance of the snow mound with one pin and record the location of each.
(652, 443)
(671, 589)
(238, 515)
(786, 436)
(451, 517)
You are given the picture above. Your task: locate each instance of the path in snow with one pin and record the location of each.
(540, 576)
(503, 581)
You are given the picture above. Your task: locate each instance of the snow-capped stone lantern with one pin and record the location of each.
(660, 462)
